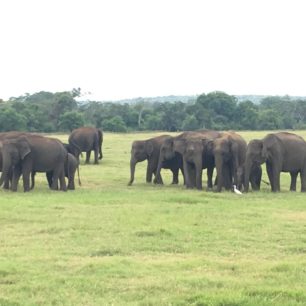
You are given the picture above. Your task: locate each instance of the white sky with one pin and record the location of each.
(140, 48)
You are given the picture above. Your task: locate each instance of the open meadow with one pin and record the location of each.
(109, 244)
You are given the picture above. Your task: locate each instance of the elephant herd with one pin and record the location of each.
(237, 163)
(25, 154)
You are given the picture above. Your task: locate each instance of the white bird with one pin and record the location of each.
(236, 190)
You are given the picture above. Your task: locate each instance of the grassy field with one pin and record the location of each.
(109, 244)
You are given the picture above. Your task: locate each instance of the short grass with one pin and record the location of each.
(110, 244)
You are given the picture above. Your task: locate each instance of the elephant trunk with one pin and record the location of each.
(158, 177)
(248, 166)
(219, 168)
(5, 176)
(133, 163)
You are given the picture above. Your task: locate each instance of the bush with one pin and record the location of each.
(115, 124)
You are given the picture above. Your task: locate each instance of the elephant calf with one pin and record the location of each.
(150, 150)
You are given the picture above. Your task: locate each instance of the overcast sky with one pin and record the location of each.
(119, 49)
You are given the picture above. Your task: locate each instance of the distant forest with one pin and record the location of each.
(63, 112)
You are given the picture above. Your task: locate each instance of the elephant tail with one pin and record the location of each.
(80, 184)
(100, 141)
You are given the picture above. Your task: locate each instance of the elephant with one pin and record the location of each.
(32, 153)
(149, 150)
(173, 149)
(282, 152)
(229, 153)
(71, 166)
(86, 139)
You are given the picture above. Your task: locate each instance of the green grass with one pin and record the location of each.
(109, 244)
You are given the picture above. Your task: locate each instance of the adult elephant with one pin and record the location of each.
(229, 152)
(282, 152)
(32, 153)
(86, 139)
(173, 149)
(149, 150)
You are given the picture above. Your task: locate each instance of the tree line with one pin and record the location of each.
(61, 112)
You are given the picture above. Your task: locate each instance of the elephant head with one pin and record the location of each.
(141, 150)
(166, 153)
(225, 152)
(13, 152)
(257, 153)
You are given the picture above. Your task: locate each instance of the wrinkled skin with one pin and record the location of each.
(149, 150)
(86, 139)
(174, 148)
(31, 153)
(229, 153)
(282, 152)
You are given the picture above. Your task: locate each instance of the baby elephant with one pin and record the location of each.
(70, 169)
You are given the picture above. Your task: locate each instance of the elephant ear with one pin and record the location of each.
(23, 147)
(149, 148)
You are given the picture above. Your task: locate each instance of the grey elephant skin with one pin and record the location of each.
(31, 153)
(229, 153)
(282, 152)
(149, 150)
(191, 146)
(86, 139)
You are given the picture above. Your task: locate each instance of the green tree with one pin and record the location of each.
(269, 120)
(10, 120)
(247, 116)
(153, 122)
(70, 121)
(115, 124)
(190, 123)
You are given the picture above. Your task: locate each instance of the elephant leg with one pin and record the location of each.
(88, 153)
(149, 172)
(188, 173)
(303, 180)
(175, 172)
(96, 153)
(210, 172)
(26, 180)
(183, 174)
(15, 178)
(198, 177)
(270, 175)
(33, 179)
(55, 178)
(59, 174)
(63, 186)
(71, 185)
(276, 176)
(49, 176)
(293, 181)
(8, 180)
(157, 178)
